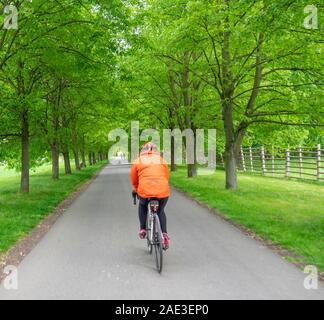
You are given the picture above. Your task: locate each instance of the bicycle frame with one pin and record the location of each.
(154, 234)
(150, 224)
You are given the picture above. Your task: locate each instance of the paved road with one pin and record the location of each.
(93, 252)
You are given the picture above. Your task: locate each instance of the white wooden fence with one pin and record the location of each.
(301, 162)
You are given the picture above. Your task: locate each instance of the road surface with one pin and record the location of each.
(92, 252)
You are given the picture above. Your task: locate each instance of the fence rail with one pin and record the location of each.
(301, 162)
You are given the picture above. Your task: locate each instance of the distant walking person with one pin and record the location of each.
(150, 179)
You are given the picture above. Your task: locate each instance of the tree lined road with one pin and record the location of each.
(93, 252)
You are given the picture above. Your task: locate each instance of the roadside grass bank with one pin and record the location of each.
(289, 213)
(21, 213)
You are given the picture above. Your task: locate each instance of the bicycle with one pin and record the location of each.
(154, 233)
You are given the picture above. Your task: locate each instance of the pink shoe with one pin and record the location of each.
(142, 233)
(166, 241)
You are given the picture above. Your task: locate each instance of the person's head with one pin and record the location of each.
(149, 147)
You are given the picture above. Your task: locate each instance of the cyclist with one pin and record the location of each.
(150, 179)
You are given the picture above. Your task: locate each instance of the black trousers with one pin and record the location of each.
(142, 213)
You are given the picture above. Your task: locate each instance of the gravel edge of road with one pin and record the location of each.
(284, 253)
(23, 247)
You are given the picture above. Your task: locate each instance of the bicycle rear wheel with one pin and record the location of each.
(158, 244)
(158, 257)
(148, 234)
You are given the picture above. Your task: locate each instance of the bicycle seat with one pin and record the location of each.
(154, 204)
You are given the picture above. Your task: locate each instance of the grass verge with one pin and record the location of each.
(289, 213)
(20, 213)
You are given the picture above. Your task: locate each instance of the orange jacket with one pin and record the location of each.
(150, 176)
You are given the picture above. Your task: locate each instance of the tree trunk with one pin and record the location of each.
(94, 160)
(24, 184)
(173, 164)
(227, 106)
(55, 160)
(56, 125)
(84, 162)
(90, 159)
(67, 164)
(76, 159)
(187, 100)
(230, 168)
(192, 168)
(230, 152)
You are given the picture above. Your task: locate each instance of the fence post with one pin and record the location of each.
(251, 158)
(272, 160)
(318, 162)
(243, 159)
(287, 163)
(300, 161)
(263, 160)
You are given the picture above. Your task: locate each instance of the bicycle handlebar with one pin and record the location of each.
(134, 194)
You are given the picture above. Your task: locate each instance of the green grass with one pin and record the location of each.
(20, 213)
(4, 172)
(289, 213)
